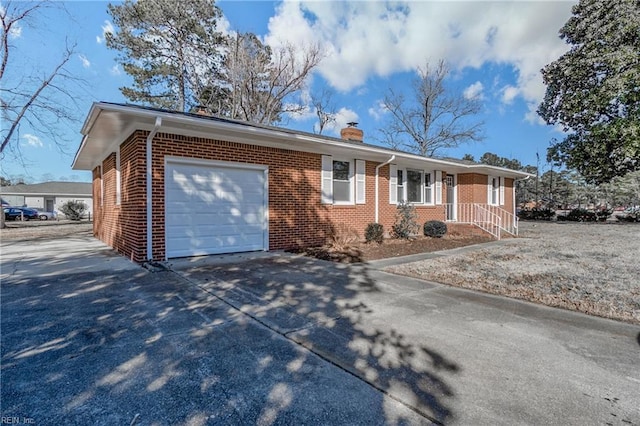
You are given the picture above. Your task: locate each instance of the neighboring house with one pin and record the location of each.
(48, 196)
(170, 184)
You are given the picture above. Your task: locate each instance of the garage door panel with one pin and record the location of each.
(214, 245)
(210, 188)
(227, 218)
(214, 209)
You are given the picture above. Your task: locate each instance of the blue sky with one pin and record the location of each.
(495, 51)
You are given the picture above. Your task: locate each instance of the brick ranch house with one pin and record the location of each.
(169, 184)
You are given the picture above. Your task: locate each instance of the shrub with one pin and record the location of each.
(374, 233)
(603, 215)
(536, 214)
(342, 236)
(581, 215)
(405, 225)
(435, 228)
(73, 210)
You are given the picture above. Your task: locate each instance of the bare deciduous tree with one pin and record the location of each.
(260, 84)
(324, 108)
(38, 99)
(434, 119)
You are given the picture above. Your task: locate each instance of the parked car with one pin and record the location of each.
(44, 215)
(630, 214)
(22, 213)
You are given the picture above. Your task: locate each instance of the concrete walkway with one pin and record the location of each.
(279, 339)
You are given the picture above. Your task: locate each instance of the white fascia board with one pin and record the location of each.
(498, 171)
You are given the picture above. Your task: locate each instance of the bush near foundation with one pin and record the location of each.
(405, 225)
(435, 229)
(374, 233)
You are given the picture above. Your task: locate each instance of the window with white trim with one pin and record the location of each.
(415, 182)
(341, 179)
(413, 186)
(494, 190)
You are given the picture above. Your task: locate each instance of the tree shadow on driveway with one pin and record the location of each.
(340, 313)
(279, 340)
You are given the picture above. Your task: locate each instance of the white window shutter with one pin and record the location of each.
(118, 182)
(438, 187)
(327, 179)
(501, 201)
(360, 181)
(101, 184)
(393, 184)
(489, 189)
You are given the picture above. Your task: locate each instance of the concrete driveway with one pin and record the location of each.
(90, 338)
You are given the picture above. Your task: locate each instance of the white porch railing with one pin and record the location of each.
(492, 219)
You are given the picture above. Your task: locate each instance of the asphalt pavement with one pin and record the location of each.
(87, 337)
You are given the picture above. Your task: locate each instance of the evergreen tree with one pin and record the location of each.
(171, 49)
(592, 90)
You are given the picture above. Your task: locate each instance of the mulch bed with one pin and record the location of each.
(363, 252)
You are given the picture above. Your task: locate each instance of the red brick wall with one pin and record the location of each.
(472, 188)
(123, 226)
(296, 215)
(508, 195)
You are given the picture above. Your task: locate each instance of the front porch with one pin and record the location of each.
(491, 219)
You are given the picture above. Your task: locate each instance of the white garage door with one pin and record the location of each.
(214, 208)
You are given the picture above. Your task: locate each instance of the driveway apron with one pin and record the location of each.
(453, 355)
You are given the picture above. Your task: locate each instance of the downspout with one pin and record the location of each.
(393, 157)
(149, 188)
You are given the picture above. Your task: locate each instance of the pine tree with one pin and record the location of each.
(592, 90)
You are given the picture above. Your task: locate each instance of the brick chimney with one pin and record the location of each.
(352, 133)
(202, 110)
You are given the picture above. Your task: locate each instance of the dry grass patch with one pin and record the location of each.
(590, 268)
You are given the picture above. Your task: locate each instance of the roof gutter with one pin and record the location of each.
(393, 157)
(149, 189)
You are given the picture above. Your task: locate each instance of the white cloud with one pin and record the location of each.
(343, 116)
(32, 140)
(106, 28)
(303, 113)
(509, 93)
(115, 70)
(378, 110)
(85, 62)
(363, 39)
(474, 91)
(15, 31)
